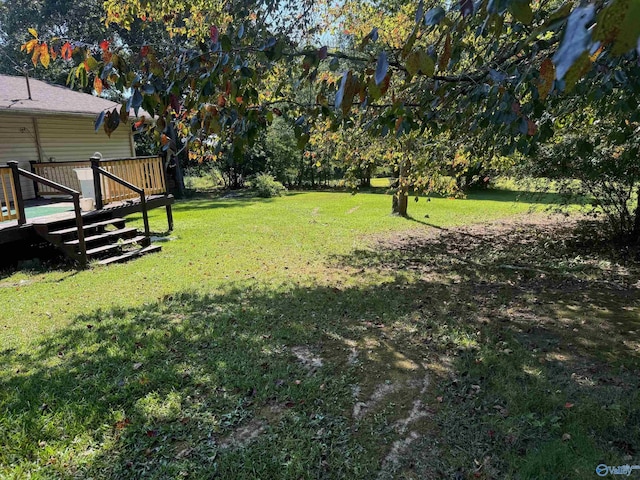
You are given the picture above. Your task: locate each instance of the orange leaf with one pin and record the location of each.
(547, 76)
(36, 56)
(104, 45)
(123, 423)
(239, 100)
(66, 50)
(29, 46)
(164, 139)
(144, 51)
(443, 61)
(53, 53)
(45, 58)
(97, 85)
(140, 122)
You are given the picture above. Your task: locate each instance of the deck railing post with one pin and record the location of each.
(19, 201)
(80, 227)
(97, 186)
(36, 187)
(145, 215)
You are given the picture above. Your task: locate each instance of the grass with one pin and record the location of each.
(316, 336)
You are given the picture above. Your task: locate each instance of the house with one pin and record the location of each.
(46, 123)
(46, 134)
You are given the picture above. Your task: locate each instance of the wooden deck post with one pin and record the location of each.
(19, 201)
(97, 186)
(169, 217)
(36, 187)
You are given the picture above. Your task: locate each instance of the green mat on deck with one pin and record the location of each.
(44, 210)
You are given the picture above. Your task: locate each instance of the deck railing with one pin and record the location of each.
(146, 173)
(8, 200)
(59, 172)
(17, 172)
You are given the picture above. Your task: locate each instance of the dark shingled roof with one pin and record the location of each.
(47, 99)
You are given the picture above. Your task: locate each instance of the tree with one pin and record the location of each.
(492, 68)
(596, 143)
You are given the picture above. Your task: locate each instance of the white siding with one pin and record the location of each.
(18, 143)
(62, 138)
(73, 139)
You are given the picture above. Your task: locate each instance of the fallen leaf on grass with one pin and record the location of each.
(566, 437)
(123, 423)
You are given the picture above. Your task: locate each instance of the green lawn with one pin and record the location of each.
(317, 336)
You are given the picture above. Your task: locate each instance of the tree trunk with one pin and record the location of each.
(636, 220)
(401, 197)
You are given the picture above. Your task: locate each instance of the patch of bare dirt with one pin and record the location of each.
(243, 435)
(307, 358)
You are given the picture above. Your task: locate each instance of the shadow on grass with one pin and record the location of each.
(500, 195)
(262, 382)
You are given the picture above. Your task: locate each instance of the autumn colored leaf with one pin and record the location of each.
(53, 53)
(33, 32)
(36, 55)
(139, 123)
(45, 58)
(443, 61)
(123, 423)
(213, 33)
(66, 51)
(29, 46)
(547, 77)
(144, 51)
(104, 45)
(97, 85)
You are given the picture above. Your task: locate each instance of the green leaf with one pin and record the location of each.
(92, 63)
(99, 120)
(381, 68)
(521, 11)
(576, 39)
(420, 61)
(619, 23)
(341, 89)
(434, 16)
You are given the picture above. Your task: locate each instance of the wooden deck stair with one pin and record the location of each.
(108, 240)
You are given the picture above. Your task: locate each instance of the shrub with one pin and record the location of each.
(266, 186)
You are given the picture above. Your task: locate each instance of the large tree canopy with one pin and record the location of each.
(490, 73)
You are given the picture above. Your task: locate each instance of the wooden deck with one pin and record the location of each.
(11, 231)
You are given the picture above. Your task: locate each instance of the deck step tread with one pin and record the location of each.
(104, 236)
(132, 254)
(113, 246)
(89, 226)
